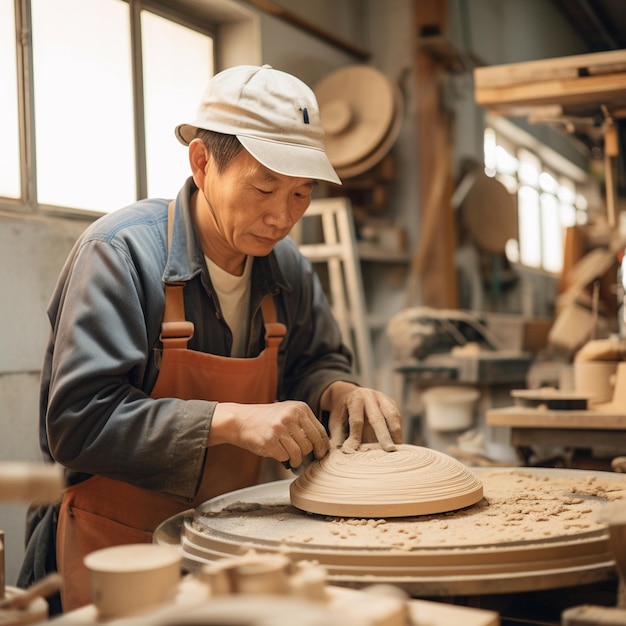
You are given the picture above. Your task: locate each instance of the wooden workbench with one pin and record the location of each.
(532, 426)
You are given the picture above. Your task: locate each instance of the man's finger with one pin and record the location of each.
(378, 422)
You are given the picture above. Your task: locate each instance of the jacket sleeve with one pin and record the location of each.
(99, 416)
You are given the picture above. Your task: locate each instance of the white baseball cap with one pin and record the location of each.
(274, 115)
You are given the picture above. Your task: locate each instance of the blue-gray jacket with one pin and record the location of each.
(101, 363)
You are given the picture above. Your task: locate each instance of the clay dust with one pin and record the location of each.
(517, 506)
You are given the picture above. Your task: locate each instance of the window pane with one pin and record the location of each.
(9, 134)
(568, 215)
(529, 168)
(177, 62)
(548, 183)
(489, 147)
(567, 191)
(529, 227)
(83, 103)
(506, 163)
(581, 202)
(552, 233)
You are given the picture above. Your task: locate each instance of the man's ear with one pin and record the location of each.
(198, 159)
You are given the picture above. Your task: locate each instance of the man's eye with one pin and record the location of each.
(265, 192)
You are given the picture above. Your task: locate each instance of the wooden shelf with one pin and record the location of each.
(371, 252)
(580, 82)
(523, 417)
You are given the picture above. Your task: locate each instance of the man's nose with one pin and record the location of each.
(281, 214)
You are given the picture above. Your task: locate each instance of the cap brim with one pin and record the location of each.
(284, 158)
(185, 133)
(291, 159)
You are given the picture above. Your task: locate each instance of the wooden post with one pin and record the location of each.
(434, 266)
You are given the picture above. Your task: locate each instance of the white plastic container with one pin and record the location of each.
(450, 408)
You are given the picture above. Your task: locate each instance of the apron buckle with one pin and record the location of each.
(176, 330)
(275, 330)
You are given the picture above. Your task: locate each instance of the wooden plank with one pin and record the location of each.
(595, 419)
(567, 438)
(550, 69)
(587, 90)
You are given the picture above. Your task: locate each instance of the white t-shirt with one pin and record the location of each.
(234, 296)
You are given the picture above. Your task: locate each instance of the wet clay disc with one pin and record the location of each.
(412, 480)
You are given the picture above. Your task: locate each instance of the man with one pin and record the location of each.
(190, 339)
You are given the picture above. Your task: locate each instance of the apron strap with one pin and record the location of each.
(274, 330)
(176, 331)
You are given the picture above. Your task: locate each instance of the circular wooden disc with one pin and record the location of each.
(489, 212)
(366, 96)
(374, 483)
(370, 160)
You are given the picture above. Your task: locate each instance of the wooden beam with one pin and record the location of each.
(579, 91)
(433, 269)
(573, 66)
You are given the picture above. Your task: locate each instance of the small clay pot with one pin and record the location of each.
(596, 378)
(130, 579)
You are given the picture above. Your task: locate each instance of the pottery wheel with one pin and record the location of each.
(370, 482)
(534, 529)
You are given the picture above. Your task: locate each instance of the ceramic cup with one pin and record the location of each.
(131, 579)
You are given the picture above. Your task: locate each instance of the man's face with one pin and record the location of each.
(252, 207)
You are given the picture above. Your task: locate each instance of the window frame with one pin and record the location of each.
(518, 142)
(28, 203)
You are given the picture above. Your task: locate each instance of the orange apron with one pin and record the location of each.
(102, 512)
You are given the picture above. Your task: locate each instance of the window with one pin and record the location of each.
(10, 179)
(98, 141)
(548, 201)
(171, 90)
(83, 104)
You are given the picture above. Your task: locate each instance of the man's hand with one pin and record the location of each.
(363, 416)
(286, 431)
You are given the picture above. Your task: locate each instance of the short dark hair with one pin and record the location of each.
(223, 148)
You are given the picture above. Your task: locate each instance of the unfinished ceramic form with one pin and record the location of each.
(373, 483)
(134, 578)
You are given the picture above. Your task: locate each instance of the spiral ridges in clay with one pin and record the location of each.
(370, 482)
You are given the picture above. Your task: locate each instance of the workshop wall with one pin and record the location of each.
(33, 249)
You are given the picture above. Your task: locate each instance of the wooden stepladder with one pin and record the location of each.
(337, 250)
